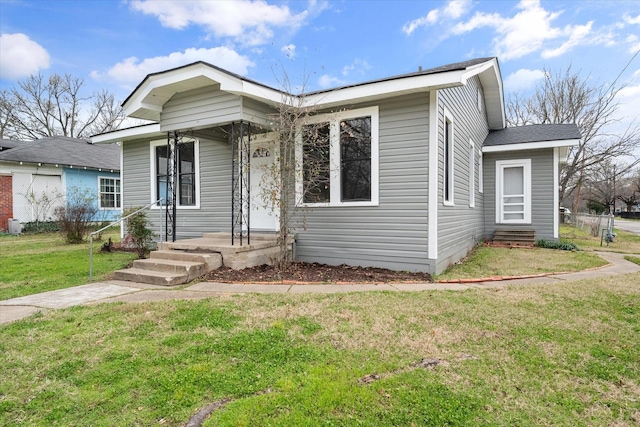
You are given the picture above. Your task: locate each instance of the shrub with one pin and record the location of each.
(40, 227)
(138, 229)
(77, 215)
(550, 244)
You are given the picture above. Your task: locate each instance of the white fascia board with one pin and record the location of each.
(372, 91)
(530, 145)
(151, 130)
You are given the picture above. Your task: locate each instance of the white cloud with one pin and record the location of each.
(454, 9)
(289, 50)
(326, 81)
(132, 70)
(358, 66)
(631, 20)
(522, 80)
(248, 21)
(577, 35)
(21, 56)
(634, 43)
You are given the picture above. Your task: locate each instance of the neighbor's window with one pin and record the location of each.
(186, 173)
(340, 159)
(109, 193)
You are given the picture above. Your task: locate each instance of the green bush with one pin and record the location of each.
(550, 244)
(138, 228)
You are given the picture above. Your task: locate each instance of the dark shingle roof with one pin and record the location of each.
(532, 133)
(5, 144)
(65, 151)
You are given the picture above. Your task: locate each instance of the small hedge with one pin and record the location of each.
(550, 244)
(40, 227)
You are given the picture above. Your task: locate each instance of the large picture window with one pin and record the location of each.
(186, 184)
(513, 191)
(109, 193)
(339, 159)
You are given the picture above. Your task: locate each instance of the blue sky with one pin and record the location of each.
(113, 44)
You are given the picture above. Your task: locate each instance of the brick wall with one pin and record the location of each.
(6, 201)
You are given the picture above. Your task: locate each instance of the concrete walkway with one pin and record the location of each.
(114, 291)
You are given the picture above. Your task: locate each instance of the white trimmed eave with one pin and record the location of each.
(489, 75)
(122, 135)
(147, 101)
(563, 144)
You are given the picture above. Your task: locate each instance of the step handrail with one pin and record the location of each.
(109, 226)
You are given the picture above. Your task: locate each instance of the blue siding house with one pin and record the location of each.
(42, 174)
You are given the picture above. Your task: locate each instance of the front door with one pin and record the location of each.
(264, 212)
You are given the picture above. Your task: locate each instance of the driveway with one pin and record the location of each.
(627, 225)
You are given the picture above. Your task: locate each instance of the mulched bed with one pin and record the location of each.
(303, 272)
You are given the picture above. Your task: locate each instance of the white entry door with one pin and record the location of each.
(264, 212)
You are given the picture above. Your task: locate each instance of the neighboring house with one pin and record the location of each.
(36, 176)
(437, 170)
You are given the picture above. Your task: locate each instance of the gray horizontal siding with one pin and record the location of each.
(460, 226)
(214, 213)
(199, 108)
(542, 189)
(257, 112)
(393, 234)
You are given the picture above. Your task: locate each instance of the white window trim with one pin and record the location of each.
(450, 168)
(115, 178)
(334, 157)
(500, 166)
(152, 176)
(480, 172)
(472, 174)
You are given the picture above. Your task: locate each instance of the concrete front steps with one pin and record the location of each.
(180, 262)
(514, 237)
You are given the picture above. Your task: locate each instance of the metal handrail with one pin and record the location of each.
(109, 226)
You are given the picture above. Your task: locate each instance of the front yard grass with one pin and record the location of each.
(528, 356)
(624, 242)
(44, 262)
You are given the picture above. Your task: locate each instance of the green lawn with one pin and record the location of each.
(43, 262)
(555, 355)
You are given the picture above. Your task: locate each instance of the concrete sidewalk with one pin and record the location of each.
(115, 291)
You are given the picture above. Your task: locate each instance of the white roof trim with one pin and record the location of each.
(147, 99)
(128, 134)
(530, 145)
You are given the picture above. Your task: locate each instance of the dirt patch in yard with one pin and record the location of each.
(303, 272)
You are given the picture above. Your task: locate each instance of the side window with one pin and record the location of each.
(109, 193)
(449, 150)
(472, 174)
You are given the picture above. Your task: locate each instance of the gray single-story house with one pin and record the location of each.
(438, 171)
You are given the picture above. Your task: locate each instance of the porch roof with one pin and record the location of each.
(531, 137)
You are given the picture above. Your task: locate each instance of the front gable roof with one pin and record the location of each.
(65, 151)
(149, 97)
(6, 144)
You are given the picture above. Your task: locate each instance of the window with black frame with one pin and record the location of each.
(316, 163)
(355, 159)
(186, 174)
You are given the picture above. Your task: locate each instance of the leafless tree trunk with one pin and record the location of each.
(56, 106)
(570, 98)
(300, 141)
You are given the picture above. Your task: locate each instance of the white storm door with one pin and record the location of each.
(513, 192)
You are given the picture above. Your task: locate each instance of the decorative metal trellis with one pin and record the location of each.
(174, 139)
(240, 182)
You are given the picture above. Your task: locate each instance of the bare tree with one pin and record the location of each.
(570, 98)
(301, 172)
(628, 191)
(39, 107)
